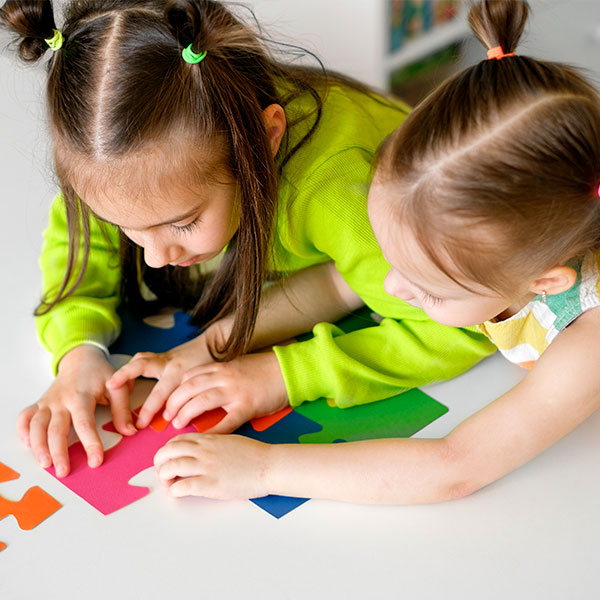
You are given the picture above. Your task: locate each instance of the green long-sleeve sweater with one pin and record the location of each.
(322, 216)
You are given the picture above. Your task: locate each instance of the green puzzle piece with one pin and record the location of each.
(400, 416)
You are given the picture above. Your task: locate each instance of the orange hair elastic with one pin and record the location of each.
(497, 53)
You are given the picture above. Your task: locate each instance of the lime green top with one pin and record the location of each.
(322, 216)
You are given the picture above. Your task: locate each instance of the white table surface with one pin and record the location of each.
(533, 534)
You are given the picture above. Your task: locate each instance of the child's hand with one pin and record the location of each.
(168, 367)
(71, 399)
(223, 467)
(249, 386)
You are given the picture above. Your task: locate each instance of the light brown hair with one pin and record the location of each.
(508, 150)
(150, 92)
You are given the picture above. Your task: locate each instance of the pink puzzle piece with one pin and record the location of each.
(106, 488)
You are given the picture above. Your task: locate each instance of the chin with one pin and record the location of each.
(452, 322)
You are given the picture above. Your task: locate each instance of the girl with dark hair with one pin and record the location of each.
(177, 140)
(486, 204)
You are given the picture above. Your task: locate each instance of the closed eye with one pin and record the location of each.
(433, 300)
(183, 229)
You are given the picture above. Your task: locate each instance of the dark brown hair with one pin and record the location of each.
(507, 149)
(148, 93)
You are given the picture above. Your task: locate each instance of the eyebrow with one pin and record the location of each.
(182, 217)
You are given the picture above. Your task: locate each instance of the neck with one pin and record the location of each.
(515, 307)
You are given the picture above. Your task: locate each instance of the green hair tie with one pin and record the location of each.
(56, 41)
(191, 57)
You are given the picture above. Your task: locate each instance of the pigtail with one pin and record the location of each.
(185, 22)
(499, 22)
(33, 22)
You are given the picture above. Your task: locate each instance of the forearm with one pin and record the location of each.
(297, 303)
(376, 362)
(393, 471)
(89, 315)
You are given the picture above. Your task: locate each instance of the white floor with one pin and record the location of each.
(532, 535)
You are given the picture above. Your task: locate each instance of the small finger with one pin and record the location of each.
(185, 393)
(23, 423)
(121, 411)
(85, 427)
(184, 466)
(58, 431)
(38, 435)
(156, 399)
(133, 369)
(197, 406)
(190, 486)
(181, 445)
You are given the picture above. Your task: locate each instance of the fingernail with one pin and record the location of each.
(61, 471)
(177, 424)
(94, 462)
(166, 415)
(131, 428)
(44, 461)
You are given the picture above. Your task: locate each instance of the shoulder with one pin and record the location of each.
(350, 120)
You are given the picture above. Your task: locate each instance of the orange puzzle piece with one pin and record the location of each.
(33, 508)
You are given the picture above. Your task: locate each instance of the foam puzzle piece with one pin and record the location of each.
(201, 424)
(400, 416)
(35, 506)
(7, 474)
(106, 488)
(262, 423)
(139, 336)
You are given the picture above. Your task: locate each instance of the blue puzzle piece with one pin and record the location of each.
(285, 431)
(138, 336)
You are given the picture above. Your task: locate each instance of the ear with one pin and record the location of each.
(275, 125)
(556, 280)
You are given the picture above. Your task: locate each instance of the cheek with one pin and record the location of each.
(395, 285)
(136, 238)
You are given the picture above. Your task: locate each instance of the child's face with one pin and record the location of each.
(414, 278)
(181, 227)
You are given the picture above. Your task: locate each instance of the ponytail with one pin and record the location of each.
(499, 23)
(33, 22)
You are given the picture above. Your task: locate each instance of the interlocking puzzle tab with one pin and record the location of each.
(33, 508)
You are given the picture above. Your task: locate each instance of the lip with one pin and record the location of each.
(188, 263)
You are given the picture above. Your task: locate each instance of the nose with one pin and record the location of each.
(158, 254)
(396, 286)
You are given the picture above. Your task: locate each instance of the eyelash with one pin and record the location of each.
(433, 300)
(183, 229)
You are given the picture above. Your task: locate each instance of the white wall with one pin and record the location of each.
(347, 34)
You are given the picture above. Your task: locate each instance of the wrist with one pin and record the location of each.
(76, 355)
(277, 382)
(268, 468)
